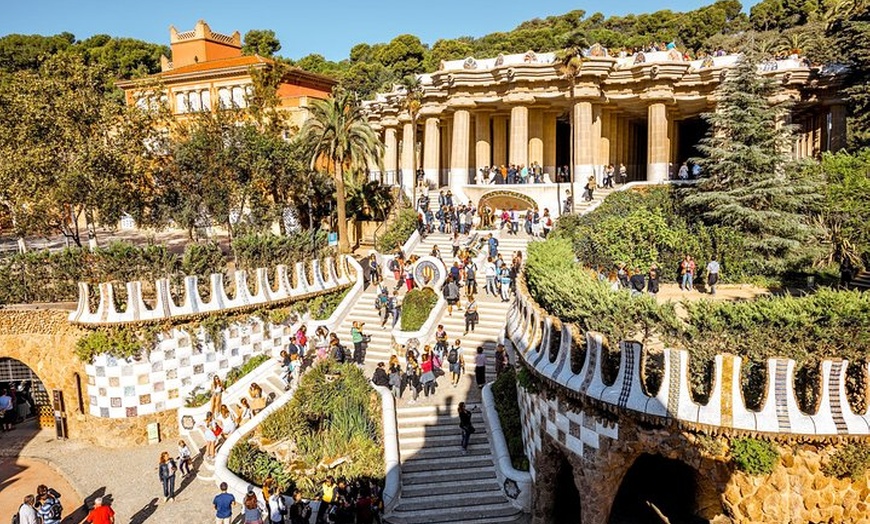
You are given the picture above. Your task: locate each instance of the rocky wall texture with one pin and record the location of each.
(44, 340)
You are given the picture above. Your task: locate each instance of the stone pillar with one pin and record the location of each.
(838, 127)
(390, 152)
(432, 150)
(408, 152)
(657, 143)
(519, 148)
(550, 145)
(459, 148)
(482, 148)
(536, 136)
(583, 159)
(606, 138)
(596, 145)
(499, 140)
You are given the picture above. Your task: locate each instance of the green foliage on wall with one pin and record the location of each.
(333, 414)
(504, 391)
(119, 343)
(398, 231)
(753, 456)
(416, 306)
(848, 461)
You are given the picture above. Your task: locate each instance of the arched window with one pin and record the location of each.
(193, 101)
(180, 103)
(239, 97)
(225, 98)
(206, 100)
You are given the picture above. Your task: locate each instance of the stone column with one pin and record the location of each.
(432, 150)
(519, 148)
(482, 152)
(459, 148)
(408, 152)
(390, 153)
(536, 136)
(596, 144)
(583, 159)
(550, 145)
(838, 127)
(657, 143)
(606, 138)
(499, 140)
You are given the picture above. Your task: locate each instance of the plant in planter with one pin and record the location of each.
(416, 306)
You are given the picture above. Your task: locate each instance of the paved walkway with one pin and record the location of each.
(127, 477)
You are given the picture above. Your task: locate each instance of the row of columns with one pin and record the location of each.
(528, 135)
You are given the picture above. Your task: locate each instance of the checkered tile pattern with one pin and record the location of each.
(577, 432)
(177, 365)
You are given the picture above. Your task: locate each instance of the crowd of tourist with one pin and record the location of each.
(45, 507)
(16, 404)
(639, 282)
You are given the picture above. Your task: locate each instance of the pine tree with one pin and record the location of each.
(747, 184)
(850, 29)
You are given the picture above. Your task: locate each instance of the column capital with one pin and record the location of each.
(431, 110)
(518, 99)
(461, 102)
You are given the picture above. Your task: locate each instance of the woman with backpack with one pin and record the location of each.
(412, 378)
(471, 314)
(166, 471)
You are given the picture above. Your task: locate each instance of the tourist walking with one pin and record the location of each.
(184, 458)
(471, 314)
(451, 294)
(492, 244)
(223, 504)
(505, 281)
(360, 341)
(374, 269)
(48, 507)
(687, 272)
(412, 378)
(102, 514)
(166, 471)
(394, 306)
(491, 272)
(277, 508)
(7, 413)
(210, 432)
(252, 509)
(470, 276)
(502, 362)
(300, 510)
(623, 174)
(480, 368)
(547, 222)
(395, 376)
(427, 378)
(327, 497)
(712, 275)
(465, 426)
(456, 361)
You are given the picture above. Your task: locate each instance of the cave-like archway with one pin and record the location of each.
(566, 506)
(25, 386)
(656, 484)
(556, 497)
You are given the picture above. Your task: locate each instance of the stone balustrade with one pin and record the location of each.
(547, 346)
(331, 274)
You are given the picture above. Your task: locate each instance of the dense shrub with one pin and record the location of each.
(117, 342)
(255, 465)
(504, 391)
(334, 414)
(398, 231)
(754, 456)
(850, 460)
(416, 306)
(255, 251)
(646, 226)
(826, 324)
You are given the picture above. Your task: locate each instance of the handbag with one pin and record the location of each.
(217, 430)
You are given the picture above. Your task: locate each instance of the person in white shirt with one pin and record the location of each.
(27, 513)
(490, 271)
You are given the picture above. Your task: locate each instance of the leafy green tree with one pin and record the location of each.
(746, 182)
(452, 49)
(570, 61)
(125, 57)
(367, 78)
(403, 55)
(71, 154)
(850, 29)
(27, 52)
(261, 42)
(341, 141)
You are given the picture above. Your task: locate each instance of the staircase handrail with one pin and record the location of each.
(346, 303)
(392, 461)
(504, 468)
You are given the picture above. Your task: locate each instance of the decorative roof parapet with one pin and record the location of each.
(331, 275)
(543, 343)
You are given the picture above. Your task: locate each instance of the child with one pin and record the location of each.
(183, 458)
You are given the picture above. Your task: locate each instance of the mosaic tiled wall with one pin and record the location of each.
(280, 287)
(119, 388)
(545, 344)
(577, 432)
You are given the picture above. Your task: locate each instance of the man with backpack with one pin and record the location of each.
(48, 506)
(456, 362)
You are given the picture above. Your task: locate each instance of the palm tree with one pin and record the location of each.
(411, 102)
(341, 141)
(570, 59)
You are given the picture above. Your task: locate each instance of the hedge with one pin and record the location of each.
(398, 231)
(504, 391)
(416, 306)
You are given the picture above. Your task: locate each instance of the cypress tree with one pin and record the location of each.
(746, 182)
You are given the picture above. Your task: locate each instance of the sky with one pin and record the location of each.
(327, 27)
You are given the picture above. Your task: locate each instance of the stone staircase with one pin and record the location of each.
(439, 482)
(582, 207)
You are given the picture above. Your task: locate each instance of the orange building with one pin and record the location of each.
(208, 71)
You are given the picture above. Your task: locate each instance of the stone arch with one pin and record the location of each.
(506, 199)
(673, 487)
(21, 377)
(557, 497)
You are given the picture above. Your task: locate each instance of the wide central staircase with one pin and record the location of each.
(440, 483)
